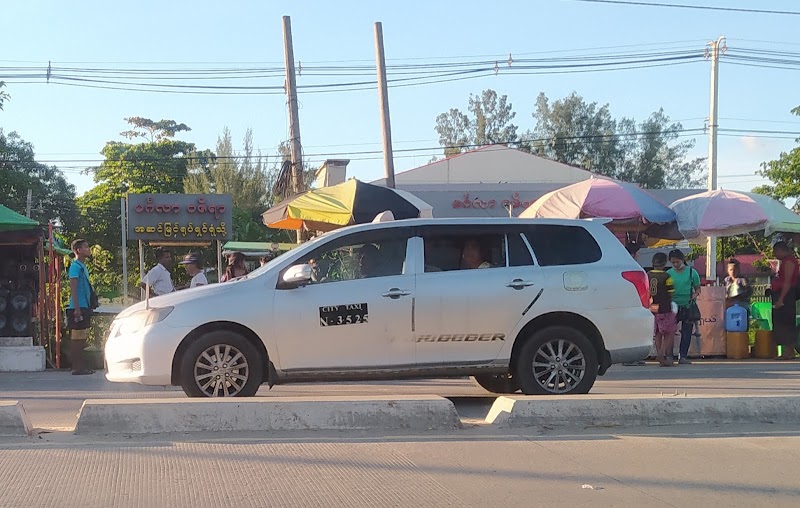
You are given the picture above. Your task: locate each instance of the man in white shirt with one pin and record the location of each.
(191, 262)
(159, 278)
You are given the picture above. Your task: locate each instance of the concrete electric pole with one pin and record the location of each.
(712, 52)
(291, 96)
(383, 96)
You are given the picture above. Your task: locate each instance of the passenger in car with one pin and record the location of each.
(474, 255)
(369, 261)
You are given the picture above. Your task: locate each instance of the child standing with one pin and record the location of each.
(661, 291)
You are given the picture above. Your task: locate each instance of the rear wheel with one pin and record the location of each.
(221, 364)
(557, 360)
(497, 383)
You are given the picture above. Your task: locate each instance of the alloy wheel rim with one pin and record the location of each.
(559, 366)
(221, 371)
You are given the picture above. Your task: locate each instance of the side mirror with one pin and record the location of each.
(296, 276)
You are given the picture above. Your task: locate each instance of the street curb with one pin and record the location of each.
(156, 416)
(13, 419)
(642, 410)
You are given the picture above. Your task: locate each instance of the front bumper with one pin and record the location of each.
(144, 357)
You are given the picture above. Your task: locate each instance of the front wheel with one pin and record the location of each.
(497, 383)
(221, 364)
(557, 360)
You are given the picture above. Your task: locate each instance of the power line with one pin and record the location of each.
(685, 6)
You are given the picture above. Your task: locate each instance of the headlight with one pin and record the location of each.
(140, 319)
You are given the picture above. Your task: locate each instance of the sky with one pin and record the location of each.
(71, 124)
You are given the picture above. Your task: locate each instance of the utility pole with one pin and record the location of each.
(124, 219)
(291, 95)
(29, 204)
(712, 51)
(383, 96)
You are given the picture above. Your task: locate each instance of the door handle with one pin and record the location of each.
(519, 284)
(395, 293)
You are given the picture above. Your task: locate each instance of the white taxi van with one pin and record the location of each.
(533, 305)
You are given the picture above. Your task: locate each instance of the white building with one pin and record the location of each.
(482, 182)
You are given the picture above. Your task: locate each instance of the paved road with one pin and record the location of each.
(52, 399)
(689, 466)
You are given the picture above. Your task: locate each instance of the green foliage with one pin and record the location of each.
(586, 135)
(223, 172)
(4, 96)
(784, 173)
(489, 123)
(151, 167)
(153, 131)
(53, 197)
(581, 134)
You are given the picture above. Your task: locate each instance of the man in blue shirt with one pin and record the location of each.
(79, 310)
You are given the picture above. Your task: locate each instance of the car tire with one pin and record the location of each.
(558, 360)
(497, 383)
(221, 363)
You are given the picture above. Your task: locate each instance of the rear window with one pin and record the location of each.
(563, 245)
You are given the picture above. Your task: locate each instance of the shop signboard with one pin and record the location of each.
(180, 217)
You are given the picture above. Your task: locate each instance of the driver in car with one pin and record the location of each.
(368, 261)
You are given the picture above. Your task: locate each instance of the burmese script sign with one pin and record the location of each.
(180, 217)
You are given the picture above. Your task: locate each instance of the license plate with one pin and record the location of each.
(348, 314)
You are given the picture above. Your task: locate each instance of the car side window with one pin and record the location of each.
(518, 252)
(555, 245)
(446, 252)
(358, 257)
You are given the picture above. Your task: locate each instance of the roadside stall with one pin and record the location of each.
(23, 302)
(350, 202)
(635, 214)
(723, 213)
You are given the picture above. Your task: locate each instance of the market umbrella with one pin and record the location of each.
(350, 202)
(630, 207)
(730, 213)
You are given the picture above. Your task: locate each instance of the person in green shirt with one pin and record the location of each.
(686, 281)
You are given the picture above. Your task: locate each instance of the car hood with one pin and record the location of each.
(184, 295)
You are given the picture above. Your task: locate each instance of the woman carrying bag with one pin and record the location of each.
(687, 289)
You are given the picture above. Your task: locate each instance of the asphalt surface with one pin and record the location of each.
(52, 399)
(478, 467)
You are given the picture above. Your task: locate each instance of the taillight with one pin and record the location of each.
(641, 283)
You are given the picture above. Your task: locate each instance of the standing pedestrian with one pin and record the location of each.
(236, 267)
(686, 281)
(159, 278)
(79, 309)
(661, 291)
(193, 267)
(783, 301)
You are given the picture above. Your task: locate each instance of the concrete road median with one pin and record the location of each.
(13, 419)
(633, 410)
(154, 416)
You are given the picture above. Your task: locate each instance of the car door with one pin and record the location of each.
(356, 312)
(464, 315)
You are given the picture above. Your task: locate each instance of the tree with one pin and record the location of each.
(158, 166)
(575, 132)
(224, 172)
(784, 173)
(581, 134)
(3, 95)
(53, 198)
(649, 155)
(489, 123)
(154, 131)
